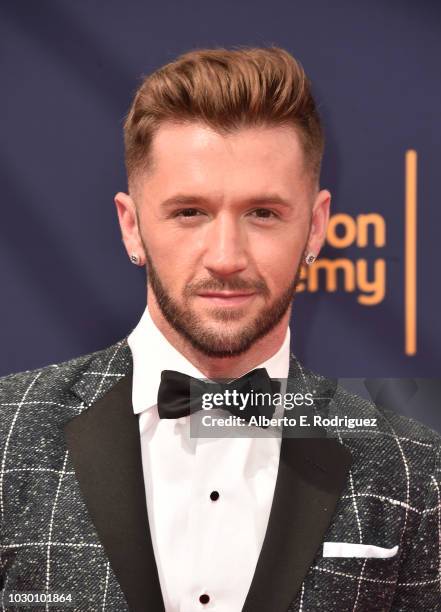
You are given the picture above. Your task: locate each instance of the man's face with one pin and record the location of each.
(223, 223)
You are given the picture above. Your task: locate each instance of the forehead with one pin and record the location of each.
(193, 155)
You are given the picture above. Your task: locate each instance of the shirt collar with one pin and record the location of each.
(152, 353)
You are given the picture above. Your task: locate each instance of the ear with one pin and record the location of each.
(319, 222)
(128, 223)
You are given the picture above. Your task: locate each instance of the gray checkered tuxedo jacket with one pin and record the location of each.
(74, 519)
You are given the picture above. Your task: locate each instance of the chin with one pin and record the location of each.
(228, 313)
(225, 324)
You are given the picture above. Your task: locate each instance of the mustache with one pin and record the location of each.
(231, 284)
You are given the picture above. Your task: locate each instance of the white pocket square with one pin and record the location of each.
(365, 551)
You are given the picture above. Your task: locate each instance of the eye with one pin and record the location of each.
(187, 212)
(264, 213)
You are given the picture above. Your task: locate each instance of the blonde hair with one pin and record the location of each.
(226, 90)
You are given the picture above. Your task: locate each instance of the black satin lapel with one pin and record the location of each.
(104, 444)
(312, 474)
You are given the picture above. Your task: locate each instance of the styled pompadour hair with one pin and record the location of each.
(226, 90)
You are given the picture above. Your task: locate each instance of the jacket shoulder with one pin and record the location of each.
(381, 439)
(52, 381)
(389, 422)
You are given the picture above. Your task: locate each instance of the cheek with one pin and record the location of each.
(176, 252)
(277, 261)
(174, 260)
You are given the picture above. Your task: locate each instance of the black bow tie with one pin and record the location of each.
(180, 395)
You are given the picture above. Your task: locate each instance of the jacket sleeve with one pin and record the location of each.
(419, 579)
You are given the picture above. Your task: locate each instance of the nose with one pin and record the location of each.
(225, 247)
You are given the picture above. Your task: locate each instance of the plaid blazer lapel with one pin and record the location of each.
(104, 444)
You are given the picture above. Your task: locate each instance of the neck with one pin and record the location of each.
(222, 367)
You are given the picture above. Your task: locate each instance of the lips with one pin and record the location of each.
(226, 298)
(225, 294)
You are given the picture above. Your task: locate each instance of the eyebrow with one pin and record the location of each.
(192, 200)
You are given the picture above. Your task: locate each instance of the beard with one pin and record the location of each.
(220, 342)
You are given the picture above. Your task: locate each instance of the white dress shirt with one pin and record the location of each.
(203, 547)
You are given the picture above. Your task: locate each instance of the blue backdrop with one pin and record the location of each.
(68, 73)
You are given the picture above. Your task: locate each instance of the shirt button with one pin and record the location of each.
(204, 599)
(214, 495)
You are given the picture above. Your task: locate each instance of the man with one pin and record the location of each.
(107, 500)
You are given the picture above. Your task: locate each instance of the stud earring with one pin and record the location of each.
(310, 258)
(134, 259)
